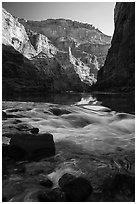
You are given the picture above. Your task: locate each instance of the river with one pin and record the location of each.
(94, 135)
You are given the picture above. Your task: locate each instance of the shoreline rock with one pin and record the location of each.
(30, 147)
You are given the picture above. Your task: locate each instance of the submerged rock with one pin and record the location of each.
(77, 189)
(59, 111)
(30, 147)
(40, 168)
(46, 183)
(55, 195)
(34, 130)
(23, 127)
(16, 121)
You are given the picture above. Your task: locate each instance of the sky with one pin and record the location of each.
(99, 14)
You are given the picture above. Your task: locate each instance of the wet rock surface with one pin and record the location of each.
(25, 146)
(34, 130)
(76, 189)
(47, 183)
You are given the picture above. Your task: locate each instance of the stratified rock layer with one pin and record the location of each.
(118, 72)
(54, 55)
(81, 37)
(14, 34)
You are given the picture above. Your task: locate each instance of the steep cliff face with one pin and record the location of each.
(118, 73)
(89, 46)
(46, 45)
(28, 43)
(67, 33)
(82, 70)
(41, 44)
(14, 34)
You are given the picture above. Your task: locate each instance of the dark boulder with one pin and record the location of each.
(77, 189)
(46, 183)
(30, 147)
(55, 195)
(17, 153)
(65, 179)
(34, 130)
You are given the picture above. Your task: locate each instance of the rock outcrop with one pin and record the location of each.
(118, 73)
(51, 56)
(81, 37)
(29, 146)
(14, 34)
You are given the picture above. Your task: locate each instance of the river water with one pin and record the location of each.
(94, 134)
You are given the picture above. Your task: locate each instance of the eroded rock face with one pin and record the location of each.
(118, 72)
(67, 33)
(41, 44)
(63, 55)
(14, 34)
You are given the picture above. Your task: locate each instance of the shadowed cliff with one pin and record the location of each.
(118, 72)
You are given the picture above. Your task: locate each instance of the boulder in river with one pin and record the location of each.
(26, 146)
(77, 189)
(46, 183)
(34, 130)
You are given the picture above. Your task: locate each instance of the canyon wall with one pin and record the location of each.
(118, 72)
(65, 55)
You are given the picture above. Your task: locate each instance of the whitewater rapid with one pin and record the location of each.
(91, 127)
